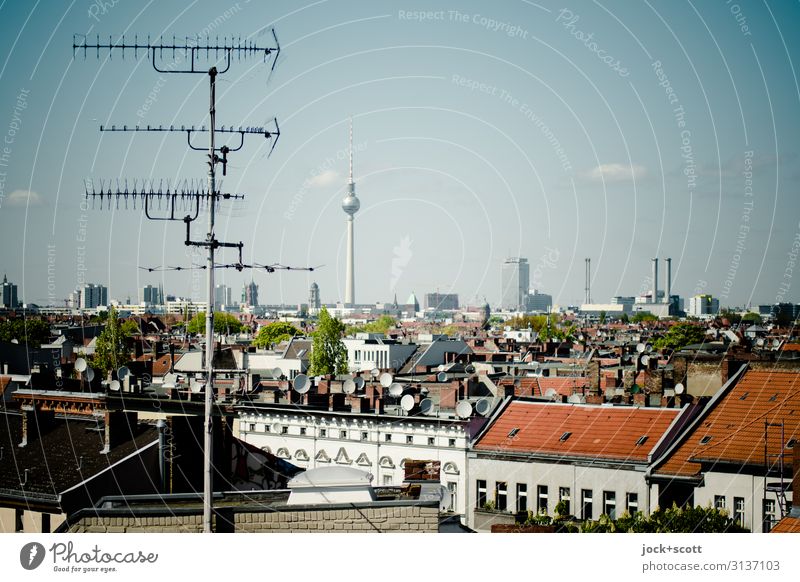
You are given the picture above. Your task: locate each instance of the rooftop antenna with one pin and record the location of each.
(189, 196)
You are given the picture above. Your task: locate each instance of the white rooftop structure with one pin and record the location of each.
(331, 485)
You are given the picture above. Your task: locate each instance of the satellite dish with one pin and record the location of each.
(776, 343)
(581, 338)
(426, 406)
(375, 372)
(407, 402)
(80, 365)
(679, 388)
(276, 373)
(534, 365)
(640, 348)
(469, 369)
(645, 360)
(359, 382)
(440, 368)
(170, 379)
(114, 386)
(276, 427)
(89, 374)
(386, 379)
(648, 348)
(123, 372)
(395, 389)
(551, 393)
(196, 387)
(301, 384)
(760, 342)
(441, 377)
(483, 406)
(464, 409)
(349, 386)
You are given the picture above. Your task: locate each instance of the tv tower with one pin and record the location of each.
(350, 204)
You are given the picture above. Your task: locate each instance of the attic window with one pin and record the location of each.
(513, 433)
(642, 440)
(565, 436)
(790, 443)
(744, 396)
(705, 439)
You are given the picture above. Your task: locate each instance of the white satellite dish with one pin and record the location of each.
(441, 377)
(276, 373)
(648, 348)
(426, 406)
(349, 386)
(375, 372)
(640, 348)
(407, 402)
(395, 389)
(301, 384)
(386, 379)
(760, 342)
(276, 427)
(80, 365)
(440, 368)
(359, 382)
(645, 360)
(679, 388)
(196, 386)
(776, 343)
(581, 338)
(464, 409)
(483, 406)
(170, 379)
(90, 374)
(551, 393)
(534, 365)
(123, 372)
(114, 386)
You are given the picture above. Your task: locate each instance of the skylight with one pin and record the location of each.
(790, 443)
(565, 436)
(513, 432)
(743, 396)
(642, 440)
(705, 440)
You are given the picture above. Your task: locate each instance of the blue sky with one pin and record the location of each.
(618, 131)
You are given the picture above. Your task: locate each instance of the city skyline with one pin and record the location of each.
(495, 133)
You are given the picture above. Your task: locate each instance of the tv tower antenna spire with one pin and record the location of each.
(191, 52)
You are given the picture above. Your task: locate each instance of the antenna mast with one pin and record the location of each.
(193, 51)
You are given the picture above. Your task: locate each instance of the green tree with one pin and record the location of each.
(644, 316)
(680, 335)
(751, 318)
(602, 317)
(328, 352)
(275, 333)
(33, 332)
(223, 323)
(111, 350)
(624, 318)
(534, 322)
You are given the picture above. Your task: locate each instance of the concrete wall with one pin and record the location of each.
(400, 519)
(31, 521)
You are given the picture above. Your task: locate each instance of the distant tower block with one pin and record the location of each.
(668, 293)
(313, 297)
(654, 299)
(350, 204)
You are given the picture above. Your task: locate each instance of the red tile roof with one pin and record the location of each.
(787, 525)
(597, 432)
(538, 386)
(733, 430)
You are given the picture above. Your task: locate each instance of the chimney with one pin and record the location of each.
(795, 511)
(655, 280)
(668, 291)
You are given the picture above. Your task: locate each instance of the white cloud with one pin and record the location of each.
(326, 178)
(21, 198)
(617, 172)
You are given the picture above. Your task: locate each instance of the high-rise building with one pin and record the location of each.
(350, 205)
(92, 296)
(441, 301)
(151, 295)
(313, 297)
(539, 301)
(222, 296)
(703, 305)
(515, 279)
(10, 300)
(250, 295)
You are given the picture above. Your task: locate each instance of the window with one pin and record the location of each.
(513, 433)
(452, 489)
(431, 441)
(541, 499)
(364, 435)
(480, 490)
(738, 510)
(501, 495)
(252, 427)
(632, 503)
(719, 502)
(522, 497)
(342, 434)
(387, 480)
(610, 504)
(267, 428)
(705, 440)
(409, 440)
(769, 515)
(323, 432)
(451, 443)
(586, 504)
(387, 437)
(302, 430)
(563, 496)
(642, 440)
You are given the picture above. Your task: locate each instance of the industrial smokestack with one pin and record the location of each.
(668, 292)
(588, 288)
(654, 299)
